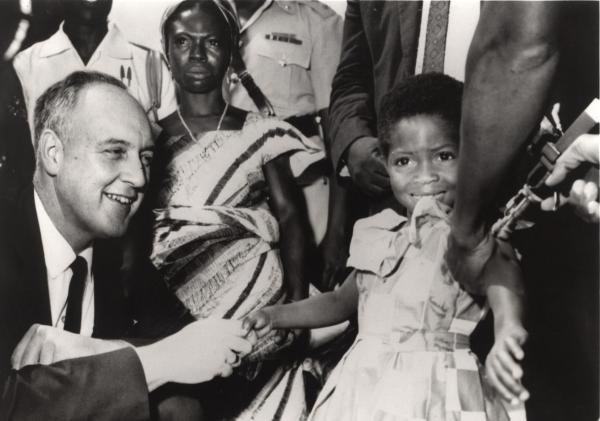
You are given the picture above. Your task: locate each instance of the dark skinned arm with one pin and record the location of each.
(503, 363)
(334, 247)
(287, 204)
(510, 67)
(320, 310)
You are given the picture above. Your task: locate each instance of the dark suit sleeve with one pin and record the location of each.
(352, 115)
(109, 386)
(156, 309)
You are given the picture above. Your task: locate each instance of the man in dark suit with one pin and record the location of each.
(62, 305)
(379, 49)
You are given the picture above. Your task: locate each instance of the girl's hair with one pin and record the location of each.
(429, 93)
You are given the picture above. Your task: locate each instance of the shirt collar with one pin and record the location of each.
(257, 14)
(58, 254)
(114, 43)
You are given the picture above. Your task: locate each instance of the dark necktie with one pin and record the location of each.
(435, 41)
(75, 297)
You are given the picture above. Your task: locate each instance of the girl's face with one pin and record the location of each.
(422, 160)
(198, 49)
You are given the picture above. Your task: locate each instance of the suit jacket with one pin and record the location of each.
(379, 49)
(106, 386)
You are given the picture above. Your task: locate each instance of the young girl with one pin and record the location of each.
(411, 358)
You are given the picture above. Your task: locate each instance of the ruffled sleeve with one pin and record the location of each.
(381, 241)
(276, 137)
(378, 243)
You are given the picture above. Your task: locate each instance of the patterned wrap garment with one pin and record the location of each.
(216, 241)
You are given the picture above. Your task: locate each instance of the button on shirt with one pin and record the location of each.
(50, 61)
(291, 49)
(58, 256)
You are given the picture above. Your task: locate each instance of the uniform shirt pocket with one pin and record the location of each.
(284, 65)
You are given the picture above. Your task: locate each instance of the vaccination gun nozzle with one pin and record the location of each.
(548, 147)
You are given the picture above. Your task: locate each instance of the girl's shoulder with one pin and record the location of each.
(378, 242)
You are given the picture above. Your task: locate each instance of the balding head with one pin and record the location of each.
(94, 147)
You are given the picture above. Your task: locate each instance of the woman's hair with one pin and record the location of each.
(429, 93)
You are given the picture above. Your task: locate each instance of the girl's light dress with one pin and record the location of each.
(411, 359)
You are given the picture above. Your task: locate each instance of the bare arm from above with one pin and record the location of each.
(510, 67)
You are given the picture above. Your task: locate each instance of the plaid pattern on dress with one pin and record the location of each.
(411, 360)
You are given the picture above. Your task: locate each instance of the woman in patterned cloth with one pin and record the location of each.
(230, 223)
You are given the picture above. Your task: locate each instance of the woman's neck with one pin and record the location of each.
(201, 105)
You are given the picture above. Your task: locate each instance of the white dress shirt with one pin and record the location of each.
(58, 256)
(53, 59)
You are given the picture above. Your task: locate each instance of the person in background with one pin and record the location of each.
(63, 308)
(292, 49)
(21, 24)
(86, 41)
(524, 57)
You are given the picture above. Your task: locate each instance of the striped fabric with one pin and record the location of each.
(411, 359)
(216, 242)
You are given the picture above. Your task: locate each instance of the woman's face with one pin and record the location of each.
(198, 46)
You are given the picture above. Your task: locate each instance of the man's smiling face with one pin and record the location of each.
(105, 164)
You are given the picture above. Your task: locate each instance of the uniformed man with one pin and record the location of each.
(291, 49)
(86, 41)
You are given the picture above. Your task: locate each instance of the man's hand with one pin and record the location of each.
(197, 353)
(583, 195)
(366, 166)
(502, 365)
(585, 149)
(46, 345)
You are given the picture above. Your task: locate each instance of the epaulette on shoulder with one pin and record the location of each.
(319, 8)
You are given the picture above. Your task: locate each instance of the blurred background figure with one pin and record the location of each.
(21, 24)
(87, 41)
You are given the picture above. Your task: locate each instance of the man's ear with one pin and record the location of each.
(50, 152)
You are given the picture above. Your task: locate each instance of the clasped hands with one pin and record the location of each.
(197, 353)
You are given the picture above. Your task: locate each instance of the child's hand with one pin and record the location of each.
(502, 365)
(258, 322)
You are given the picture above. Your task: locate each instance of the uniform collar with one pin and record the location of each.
(256, 14)
(58, 254)
(114, 43)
